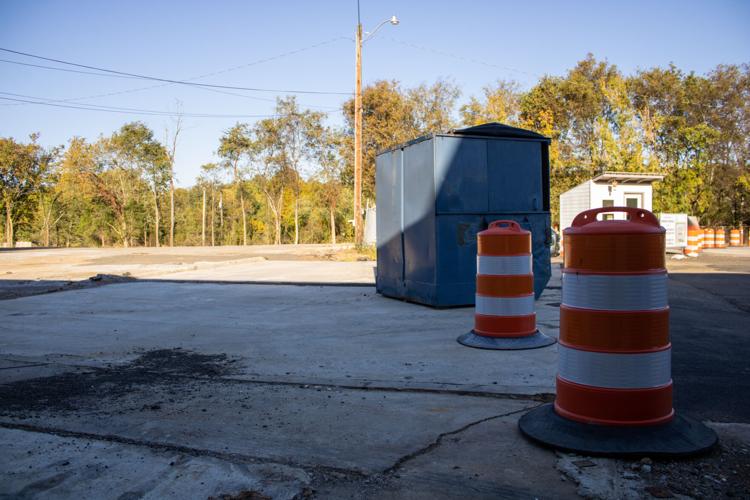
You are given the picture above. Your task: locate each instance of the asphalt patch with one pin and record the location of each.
(723, 473)
(69, 391)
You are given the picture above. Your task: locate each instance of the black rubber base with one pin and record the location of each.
(535, 341)
(682, 436)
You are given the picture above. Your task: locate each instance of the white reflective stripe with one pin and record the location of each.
(615, 371)
(504, 265)
(505, 306)
(615, 292)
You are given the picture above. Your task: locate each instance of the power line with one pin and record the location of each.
(204, 75)
(169, 80)
(113, 109)
(8, 61)
(460, 57)
(120, 92)
(482, 63)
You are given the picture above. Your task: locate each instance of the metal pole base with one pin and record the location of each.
(534, 341)
(683, 436)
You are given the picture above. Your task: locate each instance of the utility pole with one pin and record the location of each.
(358, 229)
(358, 225)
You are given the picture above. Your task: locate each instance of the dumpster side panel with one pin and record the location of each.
(514, 173)
(457, 247)
(460, 175)
(457, 252)
(389, 234)
(419, 222)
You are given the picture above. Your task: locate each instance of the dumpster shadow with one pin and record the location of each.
(16, 289)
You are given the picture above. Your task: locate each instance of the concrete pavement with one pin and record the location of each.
(155, 389)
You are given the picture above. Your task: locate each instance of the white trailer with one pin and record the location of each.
(610, 189)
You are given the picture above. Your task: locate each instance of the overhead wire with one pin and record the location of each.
(479, 61)
(174, 81)
(459, 57)
(116, 109)
(187, 80)
(67, 70)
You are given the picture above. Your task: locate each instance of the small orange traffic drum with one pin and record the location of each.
(504, 316)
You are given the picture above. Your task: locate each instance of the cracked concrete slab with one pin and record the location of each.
(43, 465)
(488, 460)
(305, 334)
(356, 430)
(281, 372)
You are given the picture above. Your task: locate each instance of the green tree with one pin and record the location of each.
(298, 134)
(500, 102)
(23, 168)
(235, 144)
(432, 107)
(331, 166)
(134, 149)
(211, 180)
(271, 174)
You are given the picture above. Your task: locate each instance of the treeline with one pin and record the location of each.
(288, 179)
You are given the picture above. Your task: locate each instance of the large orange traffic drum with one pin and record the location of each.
(614, 380)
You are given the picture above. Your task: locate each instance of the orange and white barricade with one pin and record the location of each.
(720, 240)
(693, 247)
(614, 381)
(504, 316)
(734, 238)
(708, 238)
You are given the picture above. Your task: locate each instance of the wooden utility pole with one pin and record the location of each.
(358, 229)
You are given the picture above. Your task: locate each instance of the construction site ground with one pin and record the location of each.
(279, 372)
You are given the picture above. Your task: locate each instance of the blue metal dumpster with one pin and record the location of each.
(434, 194)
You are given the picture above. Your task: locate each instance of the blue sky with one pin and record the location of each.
(472, 43)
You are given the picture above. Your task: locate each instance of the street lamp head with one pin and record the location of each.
(394, 20)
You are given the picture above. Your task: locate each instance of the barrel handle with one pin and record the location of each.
(510, 224)
(634, 215)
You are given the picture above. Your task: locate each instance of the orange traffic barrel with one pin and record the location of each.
(614, 381)
(693, 247)
(708, 238)
(504, 316)
(720, 239)
(734, 238)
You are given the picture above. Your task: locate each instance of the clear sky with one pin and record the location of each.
(472, 43)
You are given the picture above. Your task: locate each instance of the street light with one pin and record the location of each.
(358, 226)
(369, 34)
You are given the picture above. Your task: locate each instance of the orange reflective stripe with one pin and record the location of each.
(593, 405)
(614, 253)
(614, 331)
(504, 326)
(505, 245)
(505, 285)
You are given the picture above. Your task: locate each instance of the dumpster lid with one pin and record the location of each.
(496, 129)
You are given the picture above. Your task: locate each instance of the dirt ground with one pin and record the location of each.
(79, 263)
(25, 272)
